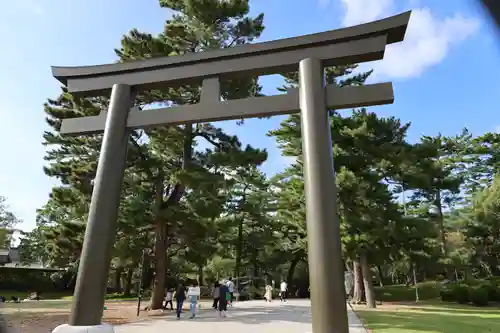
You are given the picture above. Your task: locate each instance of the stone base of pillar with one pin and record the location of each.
(104, 328)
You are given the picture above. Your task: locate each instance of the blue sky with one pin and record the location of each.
(444, 74)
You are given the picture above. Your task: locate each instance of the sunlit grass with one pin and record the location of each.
(430, 318)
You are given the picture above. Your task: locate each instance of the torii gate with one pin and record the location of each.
(309, 55)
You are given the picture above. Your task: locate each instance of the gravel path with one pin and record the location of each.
(244, 317)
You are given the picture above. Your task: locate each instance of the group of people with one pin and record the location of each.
(283, 292)
(181, 294)
(222, 292)
(223, 295)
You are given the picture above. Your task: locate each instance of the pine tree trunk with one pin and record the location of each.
(415, 282)
(128, 282)
(442, 233)
(161, 226)
(367, 280)
(359, 290)
(239, 249)
(291, 270)
(255, 263)
(380, 275)
(160, 256)
(118, 279)
(200, 275)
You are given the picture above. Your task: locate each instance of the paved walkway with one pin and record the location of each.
(244, 317)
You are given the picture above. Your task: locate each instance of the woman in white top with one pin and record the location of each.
(269, 293)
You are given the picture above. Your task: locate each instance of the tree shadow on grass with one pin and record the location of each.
(442, 322)
(489, 310)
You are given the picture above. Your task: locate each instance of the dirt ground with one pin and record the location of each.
(44, 318)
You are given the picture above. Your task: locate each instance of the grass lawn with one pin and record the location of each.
(46, 295)
(66, 296)
(430, 318)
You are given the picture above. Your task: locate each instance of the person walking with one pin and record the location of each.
(269, 293)
(216, 295)
(168, 298)
(180, 297)
(193, 296)
(283, 291)
(223, 295)
(230, 287)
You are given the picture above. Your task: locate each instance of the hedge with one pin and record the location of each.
(28, 280)
(401, 293)
(477, 292)
(478, 295)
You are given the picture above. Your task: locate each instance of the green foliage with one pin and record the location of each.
(7, 223)
(455, 292)
(25, 280)
(429, 290)
(478, 295)
(492, 290)
(461, 292)
(447, 294)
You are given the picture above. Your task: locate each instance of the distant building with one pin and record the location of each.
(11, 258)
(4, 257)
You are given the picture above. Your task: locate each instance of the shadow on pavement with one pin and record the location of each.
(251, 315)
(247, 315)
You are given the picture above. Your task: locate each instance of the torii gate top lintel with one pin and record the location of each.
(360, 43)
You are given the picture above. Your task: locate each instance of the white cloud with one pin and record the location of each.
(362, 11)
(428, 39)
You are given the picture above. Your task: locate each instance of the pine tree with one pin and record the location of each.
(170, 160)
(366, 150)
(7, 223)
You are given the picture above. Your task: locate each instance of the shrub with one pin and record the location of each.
(461, 293)
(454, 293)
(400, 293)
(26, 280)
(478, 295)
(447, 294)
(493, 291)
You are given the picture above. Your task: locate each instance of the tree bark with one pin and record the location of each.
(291, 270)
(161, 225)
(442, 233)
(367, 280)
(200, 275)
(160, 267)
(380, 275)
(359, 290)
(118, 279)
(128, 282)
(239, 249)
(415, 282)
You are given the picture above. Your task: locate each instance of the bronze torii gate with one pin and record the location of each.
(309, 55)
